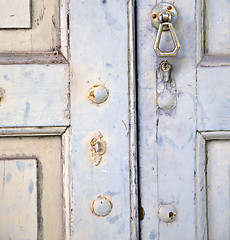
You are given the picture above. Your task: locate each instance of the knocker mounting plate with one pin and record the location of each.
(161, 8)
(164, 16)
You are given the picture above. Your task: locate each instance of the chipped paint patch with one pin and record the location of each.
(142, 213)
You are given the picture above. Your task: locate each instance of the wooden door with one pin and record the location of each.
(184, 146)
(68, 130)
(68, 122)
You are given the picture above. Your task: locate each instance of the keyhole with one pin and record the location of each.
(165, 66)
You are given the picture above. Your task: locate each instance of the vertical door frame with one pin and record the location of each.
(122, 27)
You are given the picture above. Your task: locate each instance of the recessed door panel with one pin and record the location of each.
(29, 25)
(15, 14)
(18, 199)
(42, 177)
(218, 189)
(217, 32)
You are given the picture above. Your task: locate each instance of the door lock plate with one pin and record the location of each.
(158, 11)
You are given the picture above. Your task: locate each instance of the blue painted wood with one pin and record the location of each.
(99, 55)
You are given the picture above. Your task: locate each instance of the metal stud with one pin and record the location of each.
(98, 94)
(167, 213)
(102, 206)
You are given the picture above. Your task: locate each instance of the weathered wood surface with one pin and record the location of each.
(218, 190)
(146, 74)
(47, 152)
(18, 199)
(213, 104)
(201, 208)
(99, 55)
(15, 14)
(213, 119)
(34, 95)
(167, 140)
(217, 32)
(215, 61)
(44, 32)
(53, 57)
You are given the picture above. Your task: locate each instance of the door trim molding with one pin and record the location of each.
(32, 131)
(201, 184)
(65, 134)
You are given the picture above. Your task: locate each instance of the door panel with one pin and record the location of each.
(213, 121)
(18, 199)
(174, 140)
(45, 195)
(214, 111)
(216, 27)
(99, 56)
(34, 96)
(218, 190)
(167, 138)
(42, 36)
(15, 14)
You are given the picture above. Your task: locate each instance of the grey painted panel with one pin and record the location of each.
(217, 31)
(147, 121)
(15, 14)
(44, 34)
(99, 55)
(47, 151)
(167, 139)
(213, 107)
(218, 191)
(34, 95)
(18, 199)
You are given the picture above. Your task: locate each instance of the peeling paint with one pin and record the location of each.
(142, 213)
